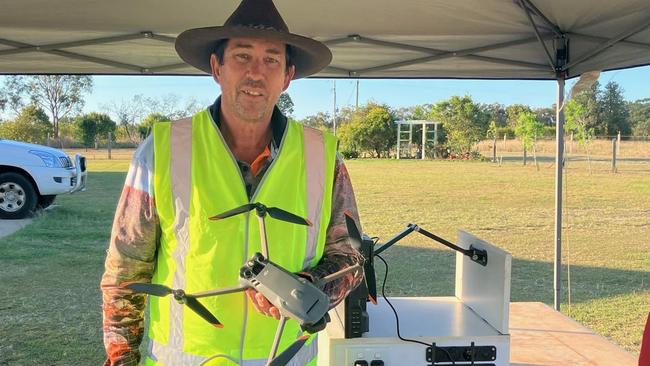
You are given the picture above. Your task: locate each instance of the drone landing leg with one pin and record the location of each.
(276, 340)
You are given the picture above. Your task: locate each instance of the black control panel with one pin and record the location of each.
(356, 317)
(461, 355)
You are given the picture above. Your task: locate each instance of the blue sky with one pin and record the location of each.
(315, 95)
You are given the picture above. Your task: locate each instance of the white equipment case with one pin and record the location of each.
(477, 315)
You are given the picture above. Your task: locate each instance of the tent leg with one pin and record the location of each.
(559, 166)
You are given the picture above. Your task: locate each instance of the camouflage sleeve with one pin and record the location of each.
(130, 258)
(339, 253)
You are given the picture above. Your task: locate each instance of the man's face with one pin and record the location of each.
(252, 77)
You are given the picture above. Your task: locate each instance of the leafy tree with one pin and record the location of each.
(497, 114)
(493, 134)
(347, 139)
(640, 117)
(31, 125)
(590, 113)
(546, 115)
(371, 129)
(144, 128)
(528, 129)
(67, 129)
(285, 104)
(318, 120)
(94, 126)
(104, 125)
(464, 122)
(513, 111)
(375, 129)
(614, 110)
(577, 122)
(86, 130)
(60, 95)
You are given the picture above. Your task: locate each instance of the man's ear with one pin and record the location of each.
(289, 76)
(215, 67)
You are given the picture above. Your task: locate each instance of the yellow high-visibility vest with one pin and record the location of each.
(196, 177)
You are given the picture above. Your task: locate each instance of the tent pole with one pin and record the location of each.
(559, 166)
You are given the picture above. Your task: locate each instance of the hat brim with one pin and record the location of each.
(195, 46)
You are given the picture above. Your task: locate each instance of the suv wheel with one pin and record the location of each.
(17, 196)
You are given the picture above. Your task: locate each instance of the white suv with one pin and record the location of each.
(32, 175)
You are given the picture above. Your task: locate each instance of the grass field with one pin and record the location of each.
(50, 303)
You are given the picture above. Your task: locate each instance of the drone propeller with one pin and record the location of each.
(262, 210)
(283, 358)
(235, 211)
(150, 289)
(280, 214)
(180, 296)
(368, 266)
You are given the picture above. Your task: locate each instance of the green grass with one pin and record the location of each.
(50, 303)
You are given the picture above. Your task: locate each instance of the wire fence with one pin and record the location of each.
(604, 153)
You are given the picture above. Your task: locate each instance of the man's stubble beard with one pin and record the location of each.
(253, 116)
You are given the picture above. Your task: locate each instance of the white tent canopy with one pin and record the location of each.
(369, 38)
(489, 39)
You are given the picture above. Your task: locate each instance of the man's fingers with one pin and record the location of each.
(262, 305)
(251, 295)
(262, 301)
(274, 312)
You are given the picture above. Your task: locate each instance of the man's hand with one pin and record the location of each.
(262, 305)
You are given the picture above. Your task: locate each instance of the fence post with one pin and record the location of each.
(399, 129)
(109, 145)
(424, 140)
(494, 149)
(613, 155)
(435, 140)
(618, 143)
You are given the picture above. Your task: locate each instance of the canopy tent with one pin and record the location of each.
(369, 38)
(490, 39)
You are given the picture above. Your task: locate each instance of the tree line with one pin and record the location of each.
(50, 105)
(47, 108)
(596, 112)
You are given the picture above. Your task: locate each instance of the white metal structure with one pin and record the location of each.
(489, 39)
(32, 175)
(409, 133)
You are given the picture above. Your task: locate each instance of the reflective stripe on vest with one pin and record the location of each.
(195, 177)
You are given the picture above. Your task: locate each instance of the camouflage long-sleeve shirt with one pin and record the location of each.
(134, 240)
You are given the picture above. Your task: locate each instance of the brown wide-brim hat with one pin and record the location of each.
(253, 19)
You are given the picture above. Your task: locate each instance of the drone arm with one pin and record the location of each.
(222, 291)
(262, 226)
(477, 255)
(409, 229)
(337, 275)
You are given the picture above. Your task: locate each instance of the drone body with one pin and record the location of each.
(294, 296)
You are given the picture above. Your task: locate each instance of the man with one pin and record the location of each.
(239, 150)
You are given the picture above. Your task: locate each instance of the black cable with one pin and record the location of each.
(399, 335)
